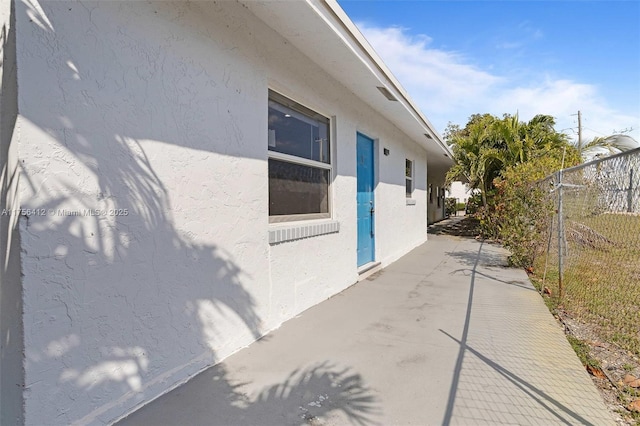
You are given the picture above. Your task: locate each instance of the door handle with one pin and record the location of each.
(371, 212)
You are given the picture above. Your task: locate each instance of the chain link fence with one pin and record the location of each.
(591, 248)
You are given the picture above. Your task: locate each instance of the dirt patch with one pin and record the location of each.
(615, 365)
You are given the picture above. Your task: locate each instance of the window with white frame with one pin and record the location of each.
(299, 161)
(408, 177)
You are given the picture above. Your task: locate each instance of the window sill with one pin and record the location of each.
(411, 202)
(290, 232)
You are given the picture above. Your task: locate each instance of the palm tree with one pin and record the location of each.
(488, 145)
(476, 157)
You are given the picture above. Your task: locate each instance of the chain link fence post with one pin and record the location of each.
(560, 235)
(630, 193)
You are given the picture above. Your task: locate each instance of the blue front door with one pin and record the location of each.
(366, 246)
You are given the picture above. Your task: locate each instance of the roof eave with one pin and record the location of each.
(363, 75)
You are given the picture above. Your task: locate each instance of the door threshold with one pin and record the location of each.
(368, 269)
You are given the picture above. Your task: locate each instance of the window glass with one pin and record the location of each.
(408, 172)
(299, 161)
(293, 133)
(297, 189)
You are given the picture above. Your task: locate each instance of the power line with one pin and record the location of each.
(580, 127)
(594, 130)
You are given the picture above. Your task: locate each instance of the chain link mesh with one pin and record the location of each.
(591, 247)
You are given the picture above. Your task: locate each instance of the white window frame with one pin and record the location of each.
(279, 98)
(409, 177)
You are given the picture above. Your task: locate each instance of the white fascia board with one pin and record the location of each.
(391, 83)
(338, 35)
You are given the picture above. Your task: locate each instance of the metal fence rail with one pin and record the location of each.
(592, 244)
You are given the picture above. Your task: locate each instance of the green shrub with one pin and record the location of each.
(518, 212)
(450, 206)
(473, 203)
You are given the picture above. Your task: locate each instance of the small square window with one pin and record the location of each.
(408, 177)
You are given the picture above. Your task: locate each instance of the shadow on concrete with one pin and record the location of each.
(313, 393)
(465, 226)
(536, 394)
(520, 284)
(463, 346)
(489, 259)
(533, 392)
(305, 397)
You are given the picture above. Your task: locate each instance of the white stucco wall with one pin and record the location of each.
(436, 178)
(156, 115)
(11, 331)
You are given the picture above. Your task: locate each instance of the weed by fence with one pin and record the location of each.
(591, 246)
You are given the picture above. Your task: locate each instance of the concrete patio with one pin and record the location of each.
(445, 335)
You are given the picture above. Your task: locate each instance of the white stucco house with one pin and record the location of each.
(460, 191)
(180, 178)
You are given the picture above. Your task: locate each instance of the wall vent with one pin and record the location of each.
(387, 94)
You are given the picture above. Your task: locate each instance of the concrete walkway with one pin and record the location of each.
(445, 335)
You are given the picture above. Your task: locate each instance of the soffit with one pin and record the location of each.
(338, 47)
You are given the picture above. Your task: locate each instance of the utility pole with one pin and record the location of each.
(580, 129)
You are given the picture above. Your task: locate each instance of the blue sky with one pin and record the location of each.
(456, 58)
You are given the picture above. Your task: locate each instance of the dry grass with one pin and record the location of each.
(602, 281)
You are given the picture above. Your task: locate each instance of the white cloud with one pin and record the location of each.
(448, 87)
(562, 99)
(433, 77)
